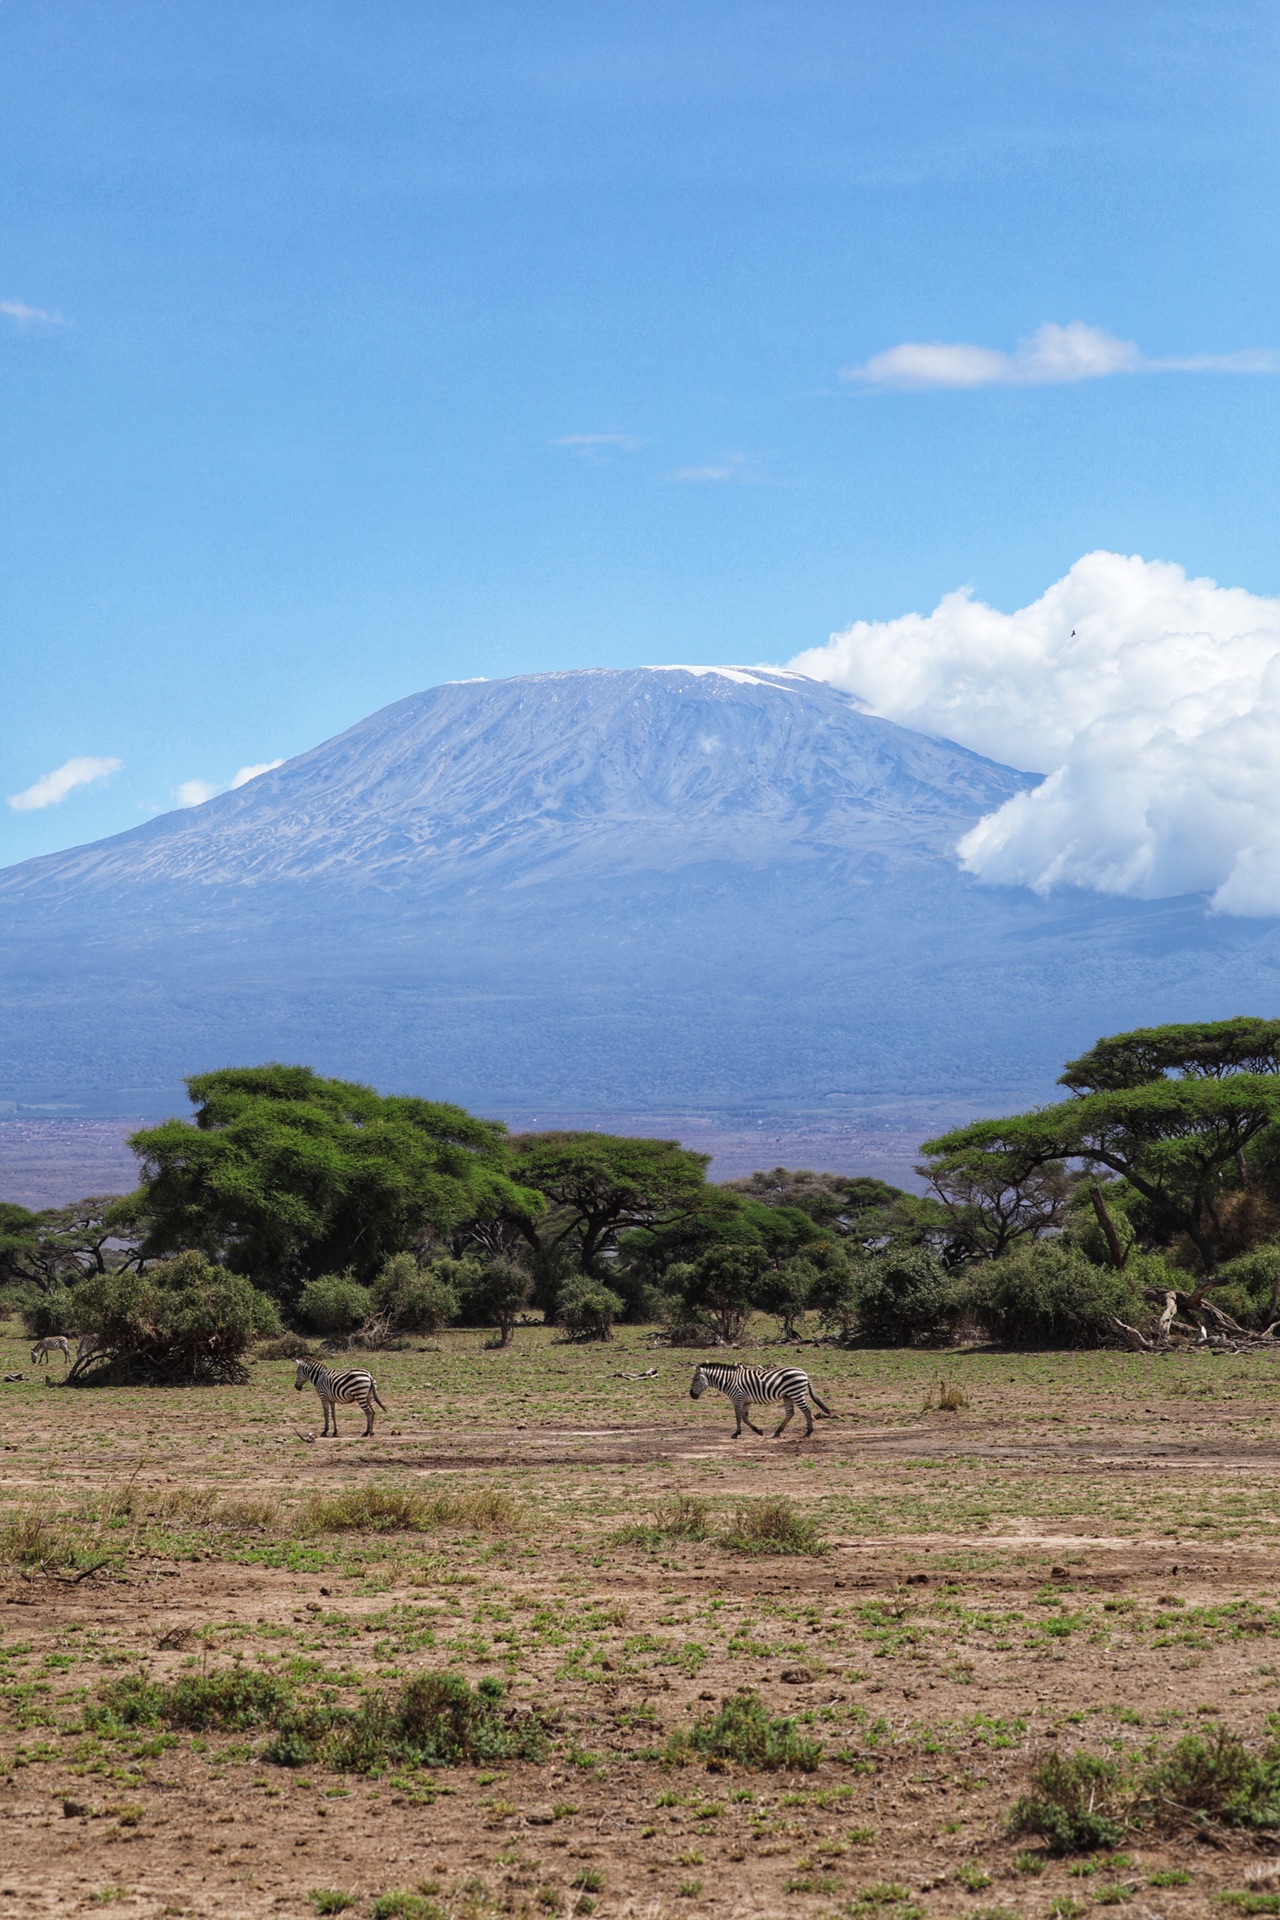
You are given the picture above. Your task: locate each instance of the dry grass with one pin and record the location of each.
(390, 1509)
(773, 1526)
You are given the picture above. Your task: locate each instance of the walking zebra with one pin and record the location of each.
(356, 1386)
(52, 1343)
(748, 1386)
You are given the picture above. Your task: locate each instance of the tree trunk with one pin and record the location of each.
(1118, 1253)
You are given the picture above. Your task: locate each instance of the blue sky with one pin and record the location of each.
(391, 343)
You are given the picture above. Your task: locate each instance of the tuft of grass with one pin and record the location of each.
(950, 1398)
(589, 1880)
(681, 1518)
(745, 1733)
(32, 1536)
(1169, 1877)
(329, 1900)
(387, 1509)
(772, 1526)
(1215, 1777)
(403, 1905)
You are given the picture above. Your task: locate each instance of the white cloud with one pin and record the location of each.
(597, 447)
(194, 793)
(52, 788)
(1151, 701)
(25, 316)
(1052, 355)
(251, 773)
(733, 466)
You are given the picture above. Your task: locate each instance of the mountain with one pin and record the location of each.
(660, 890)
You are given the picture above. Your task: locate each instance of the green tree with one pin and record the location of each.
(1179, 1136)
(721, 1289)
(335, 1304)
(19, 1240)
(285, 1175)
(597, 1186)
(413, 1298)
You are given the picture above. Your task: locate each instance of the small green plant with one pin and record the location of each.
(401, 1905)
(589, 1880)
(1251, 1902)
(1114, 1895)
(1032, 1864)
(950, 1398)
(745, 1733)
(973, 1878)
(329, 1900)
(772, 1526)
(1169, 1877)
(689, 1889)
(1216, 1776)
(1075, 1804)
(436, 1719)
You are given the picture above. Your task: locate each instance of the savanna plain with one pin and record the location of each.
(694, 1675)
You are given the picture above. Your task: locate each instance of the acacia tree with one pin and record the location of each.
(597, 1186)
(286, 1175)
(1170, 1110)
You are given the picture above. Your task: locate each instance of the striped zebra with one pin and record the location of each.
(52, 1343)
(356, 1386)
(749, 1386)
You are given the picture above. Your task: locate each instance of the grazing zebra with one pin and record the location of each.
(52, 1343)
(356, 1385)
(747, 1386)
(87, 1343)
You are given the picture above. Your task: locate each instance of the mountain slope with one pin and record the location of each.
(659, 890)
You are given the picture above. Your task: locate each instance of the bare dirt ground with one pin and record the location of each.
(1083, 1557)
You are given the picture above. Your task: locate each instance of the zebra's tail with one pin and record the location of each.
(374, 1391)
(821, 1404)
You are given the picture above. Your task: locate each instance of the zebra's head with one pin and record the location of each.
(302, 1376)
(699, 1386)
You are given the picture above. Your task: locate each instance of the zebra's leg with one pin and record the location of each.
(746, 1414)
(791, 1407)
(368, 1418)
(808, 1418)
(330, 1413)
(737, 1414)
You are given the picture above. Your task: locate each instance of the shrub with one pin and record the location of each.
(1076, 1804)
(184, 1322)
(745, 1733)
(1048, 1294)
(904, 1295)
(417, 1299)
(1215, 1776)
(772, 1526)
(433, 1720)
(44, 1314)
(497, 1292)
(1257, 1274)
(681, 1518)
(329, 1900)
(335, 1305)
(786, 1293)
(234, 1699)
(718, 1291)
(586, 1309)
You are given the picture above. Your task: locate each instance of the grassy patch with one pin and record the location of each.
(434, 1720)
(772, 1526)
(233, 1700)
(408, 1510)
(745, 1734)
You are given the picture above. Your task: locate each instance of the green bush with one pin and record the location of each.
(1257, 1276)
(786, 1292)
(586, 1309)
(496, 1294)
(183, 1322)
(718, 1291)
(903, 1296)
(234, 1699)
(1077, 1803)
(1048, 1294)
(334, 1305)
(436, 1719)
(414, 1298)
(48, 1313)
(1214, 1776)
(746, 1734)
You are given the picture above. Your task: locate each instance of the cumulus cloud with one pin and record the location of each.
(1050, 356)
(24, 316)
(251, 773)
(1151, 701)
(51, 789)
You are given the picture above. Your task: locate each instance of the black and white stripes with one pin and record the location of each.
(354, 1387)
(749, 1386)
